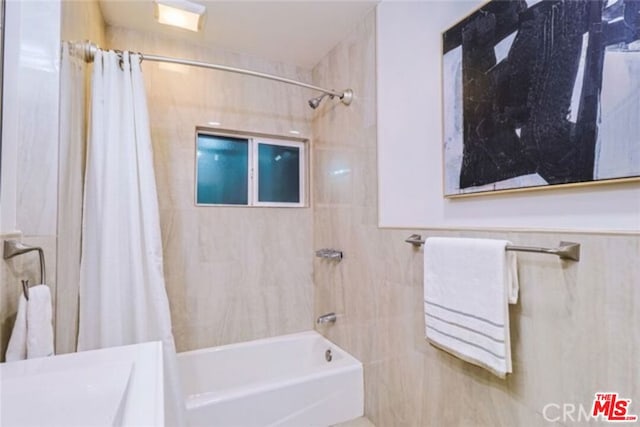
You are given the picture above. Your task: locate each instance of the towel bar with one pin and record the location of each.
(566, 250)
(14, 248)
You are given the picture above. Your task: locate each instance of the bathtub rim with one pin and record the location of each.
(197, 400)
(277, 338)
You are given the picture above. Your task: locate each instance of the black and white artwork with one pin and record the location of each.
(541, 93)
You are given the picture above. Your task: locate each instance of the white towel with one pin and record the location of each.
(468, 284)
(39, 327)
(32, 334)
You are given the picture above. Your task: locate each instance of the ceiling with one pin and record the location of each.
(294, 32)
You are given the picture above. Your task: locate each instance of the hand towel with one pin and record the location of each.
(17, 348)
(468, 284)
(39, 327)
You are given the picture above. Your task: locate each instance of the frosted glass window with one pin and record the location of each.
(222, 170)
(249, 171)
(278, 173)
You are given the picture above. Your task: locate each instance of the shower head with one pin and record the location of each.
(345, 97)
(315, 102)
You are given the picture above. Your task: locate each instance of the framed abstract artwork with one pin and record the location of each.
(538, 94)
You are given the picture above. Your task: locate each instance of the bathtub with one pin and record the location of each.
(280, 381)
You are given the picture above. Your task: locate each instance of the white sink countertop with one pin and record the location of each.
(118, 386)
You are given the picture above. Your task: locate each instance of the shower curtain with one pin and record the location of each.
(122, 293)
(71, 155)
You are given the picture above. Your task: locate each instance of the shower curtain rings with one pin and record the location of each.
(121, 61)
(121, 58)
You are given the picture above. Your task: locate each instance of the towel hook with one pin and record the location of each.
(14, 248)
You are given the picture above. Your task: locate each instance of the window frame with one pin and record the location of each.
(255, 175)
(253, 141)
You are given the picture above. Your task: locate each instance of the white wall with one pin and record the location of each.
(30, 117)
(29, 145)
(9, 122)
(410, 142)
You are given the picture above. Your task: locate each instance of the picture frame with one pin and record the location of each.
(541, 94)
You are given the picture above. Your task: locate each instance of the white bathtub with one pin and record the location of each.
(279, 381)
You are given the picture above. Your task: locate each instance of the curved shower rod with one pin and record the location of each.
(88, 49)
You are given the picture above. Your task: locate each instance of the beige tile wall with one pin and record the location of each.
(574, 330)
(232, 274)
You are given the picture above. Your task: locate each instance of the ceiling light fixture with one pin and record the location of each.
(180, 13)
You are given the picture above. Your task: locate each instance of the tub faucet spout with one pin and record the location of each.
(326, 318)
